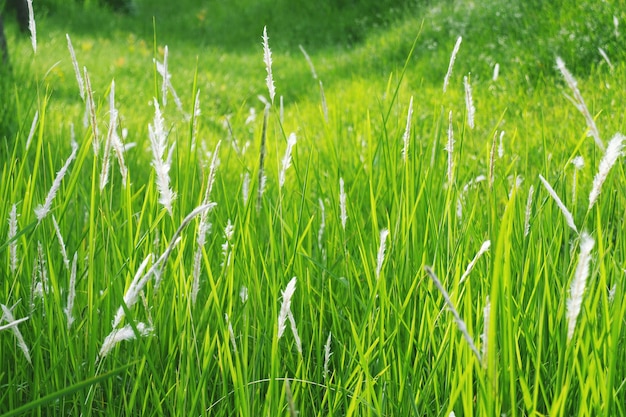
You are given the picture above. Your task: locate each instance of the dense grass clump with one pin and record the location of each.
(370, 228)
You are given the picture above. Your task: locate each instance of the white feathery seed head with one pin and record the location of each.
(90, 109)
(245, 188)
(483, 248)
(407, 131)
(457, 45)
(196, 115)
(229, 231)
(71, 293)
(33, 127)
(578, 162)
(116, 142)
(158, 144)
(285, 307)
(133, 291)
(501, 145)
(79, 77)
(381, 251)
(469, 102)
(12, 233)
(262, 185)
(516, 183)
(36, 290)
(57, 230)
(612, 291)
(327, 355)
(457, 318)
(294, 331)
(528, 211)
(450, 149)
(492, 159)
(485, 335)
(309, 61)
(156, 268)
(125, 333)
(577, 288)
(231, 333)
(566, 213)
(612, 153)
(197, 270)
(579, 102)
(267, 58)
(204, 226)
(243, 294)
(13, 323)
(166, 77)
(106, 161)
(42, 210)
(31, 25)
(7, 316)
(606, 58)
(42, 268)
(461, 198)
(286, 162)
(320, 233)
(167, 86)
(342, 204)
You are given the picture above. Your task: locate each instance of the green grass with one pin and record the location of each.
(396, 348)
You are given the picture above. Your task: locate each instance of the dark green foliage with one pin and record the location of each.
(8, 113)
(312, 24)
(530, 34)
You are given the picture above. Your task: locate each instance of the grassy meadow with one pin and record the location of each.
(392, 208)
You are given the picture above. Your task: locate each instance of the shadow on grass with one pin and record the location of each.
(237, 24)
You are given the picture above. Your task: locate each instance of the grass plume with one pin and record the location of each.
(577, 289)
(380, 258)
(267, 58)
(79, 77)
(342, 204)
(43, 209)
(261, 177)
(120, 335)
(455, 51)
(469, 102)
(566, 213)
(612, 153)
(32, 28)
(33, 127)
(579, 102)
(457, 318)
(286, 314)
(286, 162)
(407, 131)
(7, 316)
(483, 249)
(11, 238)
(161, 164)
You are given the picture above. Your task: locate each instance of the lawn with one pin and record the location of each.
(280, 208)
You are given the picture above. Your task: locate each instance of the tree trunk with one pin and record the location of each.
(21, 9)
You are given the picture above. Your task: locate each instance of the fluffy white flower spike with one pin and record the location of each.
(457, 45)
(613, 151)
(577, 289)
(267, 58)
